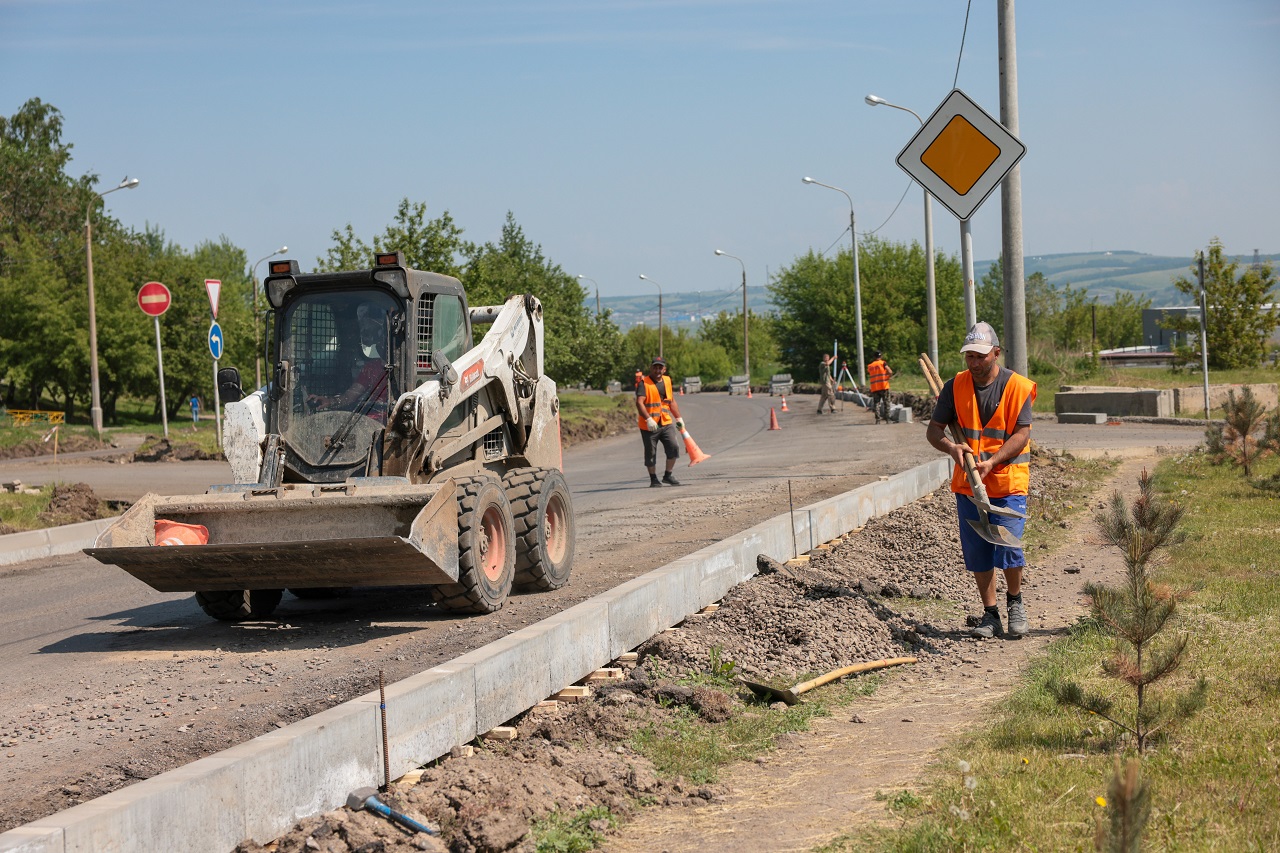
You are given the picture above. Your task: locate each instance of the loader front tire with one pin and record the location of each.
(236, 605)
(486, 549)
(545, 531)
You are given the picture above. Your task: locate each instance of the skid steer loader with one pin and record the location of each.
(385, 450)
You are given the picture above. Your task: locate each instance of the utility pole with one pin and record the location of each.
(1015, 287)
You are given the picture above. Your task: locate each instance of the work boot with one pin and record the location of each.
(670, 480)
(989, 626)
(653, 481)
(1017, 619)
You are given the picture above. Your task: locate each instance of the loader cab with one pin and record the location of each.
(346, 346)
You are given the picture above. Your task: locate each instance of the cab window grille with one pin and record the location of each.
(426, 314)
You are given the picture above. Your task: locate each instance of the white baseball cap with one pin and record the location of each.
(981, 339)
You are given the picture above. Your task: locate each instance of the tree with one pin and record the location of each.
(1241, 315)
(815, 300)
(1136, 613)
(1233, 441)
(435, 245)
(725, 331)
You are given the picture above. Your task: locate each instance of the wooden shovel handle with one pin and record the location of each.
(848, 670)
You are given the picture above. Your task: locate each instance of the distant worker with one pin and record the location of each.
(878, 373)
(639, 379)
(195, 409)
(659, 421)
(992, 405)
(826, 375)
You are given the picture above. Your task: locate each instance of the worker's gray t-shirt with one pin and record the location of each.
(944, 411)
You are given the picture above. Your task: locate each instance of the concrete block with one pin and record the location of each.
(1117, 402)
(512, 673)
(644, 606)
(580, 636)
(429, 714)
(32, 839)
(1082, 418)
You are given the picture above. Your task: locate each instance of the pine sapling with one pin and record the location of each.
(1234, 441)
(1128, 804)
(1136, 612)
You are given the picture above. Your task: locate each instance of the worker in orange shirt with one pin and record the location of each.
(878, 373)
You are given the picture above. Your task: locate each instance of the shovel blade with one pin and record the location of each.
(770, 693)
(994, 533)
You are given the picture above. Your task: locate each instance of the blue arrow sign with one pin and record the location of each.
(215, 341)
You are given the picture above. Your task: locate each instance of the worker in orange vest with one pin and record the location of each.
(659, 419)
(878, 373)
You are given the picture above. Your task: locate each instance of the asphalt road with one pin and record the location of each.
(89, 654)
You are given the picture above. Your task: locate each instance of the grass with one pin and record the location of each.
(1037, 769)
(21, 512)
(577, 832)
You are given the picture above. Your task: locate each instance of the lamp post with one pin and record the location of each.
(95, 411)
(746, 351)
(651, 281)
(257, 340)
(931, 303)
(593, 281)
(857, 283)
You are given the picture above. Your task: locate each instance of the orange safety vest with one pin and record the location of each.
(878, 372)
(656, 404)
(1014, 477)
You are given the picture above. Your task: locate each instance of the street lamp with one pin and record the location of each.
(746, 357)
(930, 287)
(95, 411)
(593, 281)
(651, 281)
(857, 282)
(257, 341)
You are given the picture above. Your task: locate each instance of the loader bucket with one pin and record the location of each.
(292, 536)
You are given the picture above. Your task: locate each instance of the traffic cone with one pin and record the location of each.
(691, 447)
(784, 404)
(177, 533)
(773, 419)
(748, 392)
(681, 390)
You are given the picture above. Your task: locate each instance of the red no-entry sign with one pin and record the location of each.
(154, 298)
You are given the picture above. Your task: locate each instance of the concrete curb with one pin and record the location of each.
(51, 541)
(261, 788)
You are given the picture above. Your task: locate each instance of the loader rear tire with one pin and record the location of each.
(545, 531)
(486, 549)
(236, 605)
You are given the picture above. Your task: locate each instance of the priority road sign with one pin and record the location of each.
(215, 340)
(154, 298)
(961, 154)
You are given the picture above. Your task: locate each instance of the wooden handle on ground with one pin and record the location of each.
(848, 670)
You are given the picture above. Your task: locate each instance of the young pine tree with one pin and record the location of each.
(1136, 613)
(1128, 805)
(1234, 441)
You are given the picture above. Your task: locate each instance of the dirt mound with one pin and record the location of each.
(613, 422)
(163, 450)
(70, 505)
(66, 444)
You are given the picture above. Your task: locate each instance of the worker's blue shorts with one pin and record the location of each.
(979, 554)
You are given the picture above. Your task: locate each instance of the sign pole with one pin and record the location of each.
(966, 260)
(217, 404)
(164, 409)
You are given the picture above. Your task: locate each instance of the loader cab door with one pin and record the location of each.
(341, 350)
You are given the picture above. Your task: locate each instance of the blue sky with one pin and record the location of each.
(637, 137)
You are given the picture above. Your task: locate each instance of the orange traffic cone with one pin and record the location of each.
(177, 533)
(691, 447)
(681, 390)
(748, 392)
(784, 404)
(773, 419)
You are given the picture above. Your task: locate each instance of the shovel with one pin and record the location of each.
(792, 695)
(993, 533)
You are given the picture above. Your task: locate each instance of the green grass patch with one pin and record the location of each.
(577, 832)
(21, 512)
(1032, 779)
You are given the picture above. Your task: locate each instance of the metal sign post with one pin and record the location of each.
(215, 349)
(154, 299)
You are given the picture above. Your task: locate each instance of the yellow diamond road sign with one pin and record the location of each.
(961, 154)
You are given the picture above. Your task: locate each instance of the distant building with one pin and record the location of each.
(1155, 335)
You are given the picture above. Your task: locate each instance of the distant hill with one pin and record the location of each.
(1105, 273)
(1101, 273)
